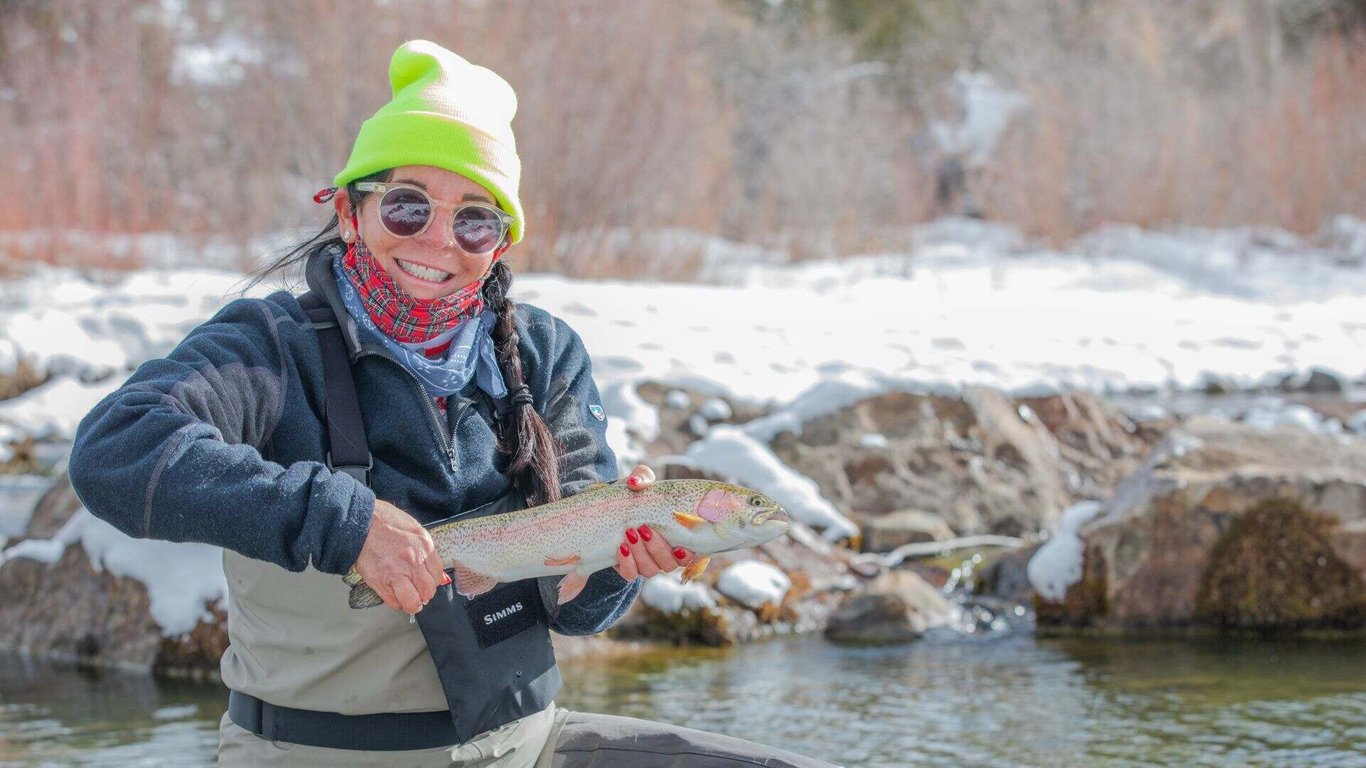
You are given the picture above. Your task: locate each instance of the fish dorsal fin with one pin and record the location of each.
(594, 487)
(570, 586)
(689, 520)
(472, 583)
(698, 566)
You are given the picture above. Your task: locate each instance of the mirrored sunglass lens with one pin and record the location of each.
(477, 230)
(404, 211)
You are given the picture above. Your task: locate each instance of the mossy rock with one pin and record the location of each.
(1275, 569)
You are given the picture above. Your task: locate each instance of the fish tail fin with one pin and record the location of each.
(352, 578)
(364, 596)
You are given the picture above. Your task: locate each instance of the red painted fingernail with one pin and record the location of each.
(625, 550)
(680, 554)
(633, 481)
(632, 536)
(646, 533)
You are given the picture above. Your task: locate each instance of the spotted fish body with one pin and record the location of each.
(580, 534)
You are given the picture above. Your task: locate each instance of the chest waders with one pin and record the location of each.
(492, 654)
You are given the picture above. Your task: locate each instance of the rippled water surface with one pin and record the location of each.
(1007, 701)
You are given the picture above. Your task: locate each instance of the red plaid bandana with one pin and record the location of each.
(400, 316)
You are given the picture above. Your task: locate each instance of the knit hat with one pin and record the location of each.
(447, 113)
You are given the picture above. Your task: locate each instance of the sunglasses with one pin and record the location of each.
(405, 210)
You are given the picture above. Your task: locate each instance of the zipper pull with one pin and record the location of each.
(450, 456)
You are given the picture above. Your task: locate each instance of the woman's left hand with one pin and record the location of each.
(645, 552)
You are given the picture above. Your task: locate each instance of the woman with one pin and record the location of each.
(307, 435)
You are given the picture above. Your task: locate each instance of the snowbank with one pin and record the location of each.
(181, 578)
(753, 583)
(1057, 565)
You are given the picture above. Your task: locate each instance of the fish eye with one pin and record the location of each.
(756, 501)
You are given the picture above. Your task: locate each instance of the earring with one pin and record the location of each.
(346, 234)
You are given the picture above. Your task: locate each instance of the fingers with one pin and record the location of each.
(645, 564)
(658, 549)
(405, 594)
(652, 554)
(626, 563)
(435, 568)
(641, 477)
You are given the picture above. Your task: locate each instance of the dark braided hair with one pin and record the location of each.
(525, 437)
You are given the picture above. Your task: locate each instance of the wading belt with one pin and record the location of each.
(386, 732)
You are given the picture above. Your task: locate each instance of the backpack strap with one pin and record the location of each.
(347, 449)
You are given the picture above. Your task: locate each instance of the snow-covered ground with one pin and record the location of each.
(969, 303)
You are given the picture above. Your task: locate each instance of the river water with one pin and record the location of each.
(1011, 700)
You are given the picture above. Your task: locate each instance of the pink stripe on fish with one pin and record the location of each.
(714, 505)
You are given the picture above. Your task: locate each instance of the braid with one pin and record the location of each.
(535, 465)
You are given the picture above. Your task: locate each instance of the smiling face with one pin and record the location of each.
(429, 265)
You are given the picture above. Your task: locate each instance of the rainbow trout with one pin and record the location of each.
(580, 534)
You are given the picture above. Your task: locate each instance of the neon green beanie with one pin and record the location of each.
(447, 113)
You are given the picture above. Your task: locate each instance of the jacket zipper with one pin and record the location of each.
(434, 419)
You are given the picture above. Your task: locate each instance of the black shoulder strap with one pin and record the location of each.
(347, 448)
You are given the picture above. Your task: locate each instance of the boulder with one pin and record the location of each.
(1228, 527)
(72, 610)
(896, 607)
(1316, 381)
(907, 526)
(981, 462)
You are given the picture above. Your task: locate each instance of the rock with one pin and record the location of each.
(1228, 526)
(1315, 381)
(896, 607)
(907, 526)
(23, 378)
(677, 408)
(1004, 577)
(71, 610)
(982, 463)
(53, 510)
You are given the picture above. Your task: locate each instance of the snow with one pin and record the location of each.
(666, 592)
(1269, 413)
(753, 583)
(729, 451)
(1057, 565)
(1357, 422)
(986, 112)
(181, 578)
(221, 62)
(968, 303)
(52, 411)
(873, 441)
(715, 409)
(18, 496)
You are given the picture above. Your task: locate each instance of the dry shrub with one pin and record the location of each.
(642, 115)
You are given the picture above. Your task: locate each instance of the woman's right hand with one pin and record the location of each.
(399, 560)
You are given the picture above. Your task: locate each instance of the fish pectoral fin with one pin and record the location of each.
(571, 585)
(689, 520)
(566, 560)
(698, 566)
(472, 583)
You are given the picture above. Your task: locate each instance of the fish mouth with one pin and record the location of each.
(777, 514)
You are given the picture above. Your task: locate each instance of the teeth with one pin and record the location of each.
(425, 273)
